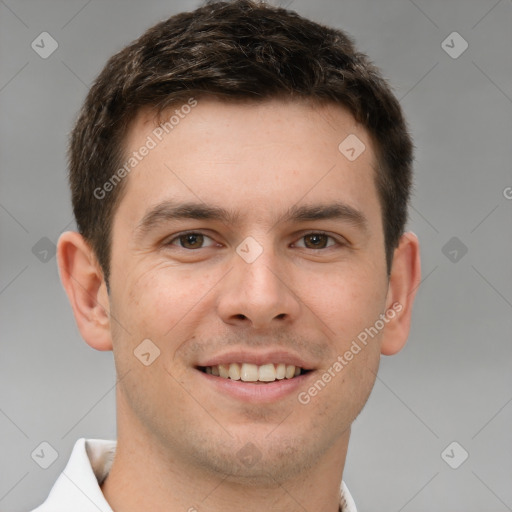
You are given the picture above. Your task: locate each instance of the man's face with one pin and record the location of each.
(292, 275)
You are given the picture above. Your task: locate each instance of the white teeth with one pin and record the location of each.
(234, 371)
(280, 371)
(249, 372)
(224, 370)
(267, 373)
(290, 371)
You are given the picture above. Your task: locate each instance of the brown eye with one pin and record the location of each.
(316, 241)
(191, 240)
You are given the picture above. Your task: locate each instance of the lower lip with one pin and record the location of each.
(259, 393)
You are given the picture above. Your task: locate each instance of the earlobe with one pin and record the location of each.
(83, 281)
(404, 281)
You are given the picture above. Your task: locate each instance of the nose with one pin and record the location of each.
(258, 294)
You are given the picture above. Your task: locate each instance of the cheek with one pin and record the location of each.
(162, 299)
(347, 301)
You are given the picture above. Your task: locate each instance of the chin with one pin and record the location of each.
(260, 460)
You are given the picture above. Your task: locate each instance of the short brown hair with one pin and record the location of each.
(239, 50)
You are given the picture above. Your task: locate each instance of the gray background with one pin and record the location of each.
(452, 382)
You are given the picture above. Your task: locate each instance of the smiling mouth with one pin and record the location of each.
(248, 372)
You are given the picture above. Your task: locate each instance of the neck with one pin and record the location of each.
(144, 475)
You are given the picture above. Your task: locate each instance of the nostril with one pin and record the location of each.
(240, 317)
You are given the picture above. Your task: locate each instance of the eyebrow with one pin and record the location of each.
(170, 210)
(335, 211)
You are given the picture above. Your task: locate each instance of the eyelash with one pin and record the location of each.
(179, 235)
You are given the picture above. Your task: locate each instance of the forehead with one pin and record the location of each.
(254, 157)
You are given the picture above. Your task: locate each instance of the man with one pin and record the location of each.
(240, 179)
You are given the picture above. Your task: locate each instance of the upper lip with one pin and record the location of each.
(258, 358)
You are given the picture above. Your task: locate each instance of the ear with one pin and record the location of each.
(404, 281)
(83, 280)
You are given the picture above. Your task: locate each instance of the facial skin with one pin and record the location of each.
(181, 437)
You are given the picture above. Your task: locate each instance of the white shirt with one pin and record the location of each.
(78, 487)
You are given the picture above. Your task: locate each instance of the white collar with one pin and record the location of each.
(78, 486)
